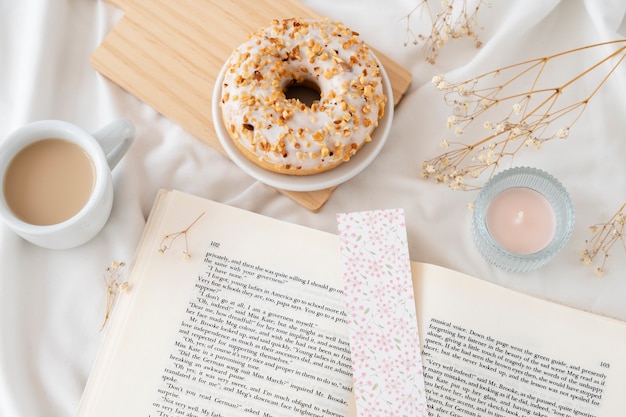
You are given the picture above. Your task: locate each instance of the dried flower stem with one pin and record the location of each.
(168, 240)
(455, 21)
(605, 236)
(525, 123)
(114, 287)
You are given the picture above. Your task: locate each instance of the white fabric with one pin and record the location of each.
(52, 302)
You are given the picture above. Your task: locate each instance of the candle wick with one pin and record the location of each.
(520, 217)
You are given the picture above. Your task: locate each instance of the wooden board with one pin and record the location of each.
(169, 54)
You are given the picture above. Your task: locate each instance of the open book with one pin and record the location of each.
(229, 313)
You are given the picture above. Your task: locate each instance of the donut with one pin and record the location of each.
(284, 134)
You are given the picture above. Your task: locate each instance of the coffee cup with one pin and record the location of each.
(56, 187)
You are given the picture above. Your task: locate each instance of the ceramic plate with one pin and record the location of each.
(313, 182)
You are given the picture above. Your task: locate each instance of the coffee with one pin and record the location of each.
(49, 181)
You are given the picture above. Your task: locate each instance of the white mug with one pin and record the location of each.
(69, 202)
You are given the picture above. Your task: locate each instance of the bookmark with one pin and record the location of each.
(384, 339)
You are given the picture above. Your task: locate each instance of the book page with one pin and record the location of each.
(252, 323)
(489, 351)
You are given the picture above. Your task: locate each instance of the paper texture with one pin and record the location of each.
(237, 316)
(253, 322)
(384, 338)
(490, 351)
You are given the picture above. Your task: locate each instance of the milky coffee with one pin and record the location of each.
(49, 181)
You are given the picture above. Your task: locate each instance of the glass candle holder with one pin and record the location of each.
(522, 218)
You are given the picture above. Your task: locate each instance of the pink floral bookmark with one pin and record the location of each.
(384, 338)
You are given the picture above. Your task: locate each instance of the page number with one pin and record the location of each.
(605, 364)
(215, 244)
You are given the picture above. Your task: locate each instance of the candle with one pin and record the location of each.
(521, 220)
(522, 217)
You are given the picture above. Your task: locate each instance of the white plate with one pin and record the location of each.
(323, 180)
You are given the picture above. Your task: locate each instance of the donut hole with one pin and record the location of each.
(306, 92)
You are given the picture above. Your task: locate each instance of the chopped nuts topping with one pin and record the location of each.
(285, 132)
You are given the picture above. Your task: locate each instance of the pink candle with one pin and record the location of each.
(521, 220)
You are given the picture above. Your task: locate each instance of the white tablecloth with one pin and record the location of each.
(52, 302)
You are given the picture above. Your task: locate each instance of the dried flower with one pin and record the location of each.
(533, 108)
(456, 20)
(169, 239)
(605, 236)
(112, 276)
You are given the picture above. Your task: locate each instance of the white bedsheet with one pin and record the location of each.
(52, 302)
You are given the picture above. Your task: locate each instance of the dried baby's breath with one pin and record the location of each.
(454, 19)
(605, 236)
(169, 239)
(114, 286)
(529, 112)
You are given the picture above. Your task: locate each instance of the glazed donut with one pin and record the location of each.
(284, 134)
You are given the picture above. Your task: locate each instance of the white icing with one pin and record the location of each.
(284, 132)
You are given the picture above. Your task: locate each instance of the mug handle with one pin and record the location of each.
(115, 139)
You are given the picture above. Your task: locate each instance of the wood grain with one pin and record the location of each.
(169, 54)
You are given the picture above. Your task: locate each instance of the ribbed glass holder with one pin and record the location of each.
(537, 180)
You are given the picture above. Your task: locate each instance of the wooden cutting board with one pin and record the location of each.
(169, 54)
